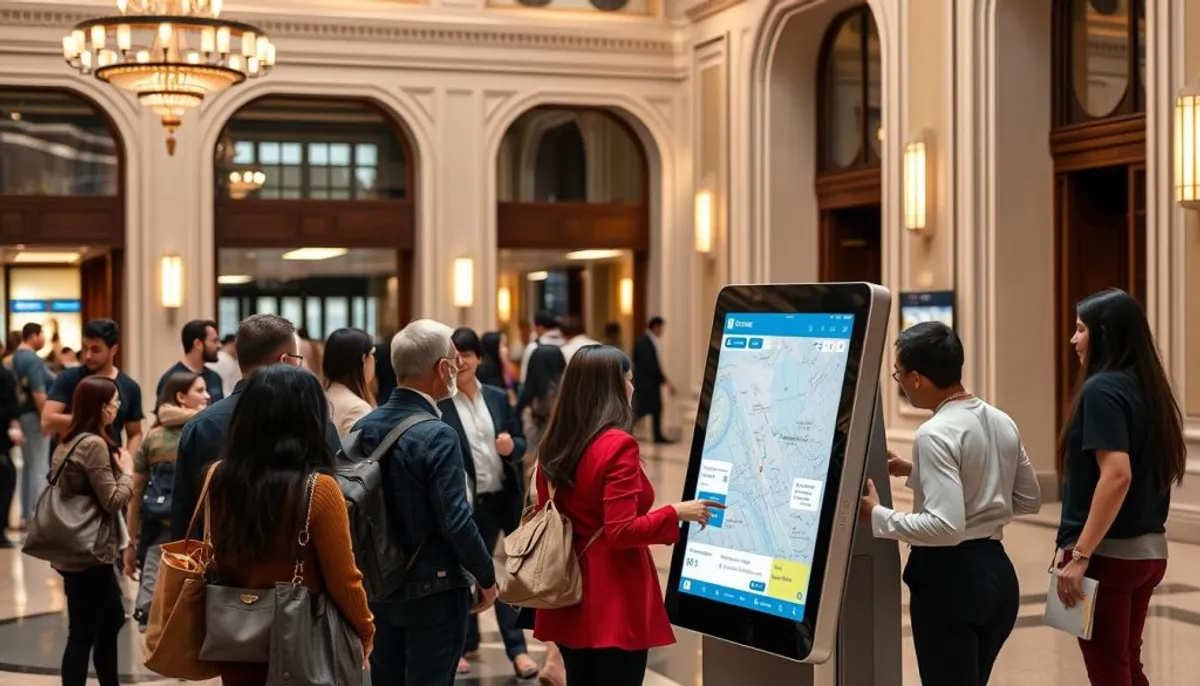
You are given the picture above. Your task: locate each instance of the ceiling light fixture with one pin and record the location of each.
(45, 258)
(537, 276)
(242, 184)
(593, 254)
(170, 53)
(314, 254)
(234, 279)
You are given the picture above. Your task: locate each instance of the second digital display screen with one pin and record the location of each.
(766, 456)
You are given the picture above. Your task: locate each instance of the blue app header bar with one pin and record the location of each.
(797, 325)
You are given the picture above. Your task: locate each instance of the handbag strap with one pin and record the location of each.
(302, 539)
(53, 480)
(550, 499)
(202, 504)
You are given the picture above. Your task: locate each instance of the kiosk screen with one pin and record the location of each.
(766, 456)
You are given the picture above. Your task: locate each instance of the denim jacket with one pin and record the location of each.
(427, 499)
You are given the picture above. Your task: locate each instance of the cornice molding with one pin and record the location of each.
(708, 8)
(428, 32)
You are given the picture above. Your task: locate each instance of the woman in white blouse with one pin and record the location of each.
(349, 368)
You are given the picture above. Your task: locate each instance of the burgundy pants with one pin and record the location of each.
(1114, 655)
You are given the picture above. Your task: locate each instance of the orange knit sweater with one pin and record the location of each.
(330, 566)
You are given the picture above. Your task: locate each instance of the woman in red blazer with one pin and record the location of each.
(592, 460)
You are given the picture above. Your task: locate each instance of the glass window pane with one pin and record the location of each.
(1099, 55)
(292, 310)
(339, 154)
(874, 89)
(842, 120)
(268, 152)
(318, 154)
(243, 152)
(53, 143)
(318, 177)
(366, 154)
(366, 179)
(337, 313)
(292, 177)
(318, 193)
(291, 194)
(372, 325)
(358, 312)
(265, 305)
(227, 316)
(312, 318)
(339, 194)
(292, 153)
(339, 177)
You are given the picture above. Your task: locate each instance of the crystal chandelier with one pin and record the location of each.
(170, 53)
(242, 184)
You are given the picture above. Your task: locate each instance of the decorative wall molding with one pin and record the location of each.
(707, 8)
(413, 29)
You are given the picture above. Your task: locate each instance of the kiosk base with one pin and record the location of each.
(868, 649)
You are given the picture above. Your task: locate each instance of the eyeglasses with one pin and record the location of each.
(298, 358)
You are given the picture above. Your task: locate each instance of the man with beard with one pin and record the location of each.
(201, 343)
(100, 339)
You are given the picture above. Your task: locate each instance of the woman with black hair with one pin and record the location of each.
(491, 364)
(546, 367)
(276, 441)
(1119, 455)
(349, 368)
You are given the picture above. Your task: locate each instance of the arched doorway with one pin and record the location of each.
(849, 148)
(62, 214)
(1098, 142)
(573, 223)
(314, 216)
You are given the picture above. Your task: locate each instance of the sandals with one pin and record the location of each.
(530, 671)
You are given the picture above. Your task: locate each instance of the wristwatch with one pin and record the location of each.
(1078, 555)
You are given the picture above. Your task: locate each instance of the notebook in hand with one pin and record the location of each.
(1077, 620)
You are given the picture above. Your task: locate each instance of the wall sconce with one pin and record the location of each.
(464, 282)
(917, 183)
(625, 296)
(504, 304)
(1187, 147)
(704, 222)
(171, 282)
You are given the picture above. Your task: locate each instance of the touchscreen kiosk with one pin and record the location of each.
(787, 413)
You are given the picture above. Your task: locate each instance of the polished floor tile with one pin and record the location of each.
(33, 627)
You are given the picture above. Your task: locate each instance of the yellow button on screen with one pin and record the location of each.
(788, 581)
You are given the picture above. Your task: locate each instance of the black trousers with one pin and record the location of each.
(489, 515)
(964, 604)
(419, 641)
(8, 488)
(95, 615)
(604, 666)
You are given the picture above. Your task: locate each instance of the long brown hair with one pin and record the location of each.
(1119, 339)
(87, 408)
(592, 398)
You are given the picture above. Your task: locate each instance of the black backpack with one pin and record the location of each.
(156, 499)
(381, 560)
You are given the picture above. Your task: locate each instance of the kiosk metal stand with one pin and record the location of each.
(868, 649)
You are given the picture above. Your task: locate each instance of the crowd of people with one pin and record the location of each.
(249, 432)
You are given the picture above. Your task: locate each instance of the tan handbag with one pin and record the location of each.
(70, 528)
(176, 630)
(542, 570)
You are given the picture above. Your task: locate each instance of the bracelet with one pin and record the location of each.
(1078, 556)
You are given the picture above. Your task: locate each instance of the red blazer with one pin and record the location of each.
(622, 601)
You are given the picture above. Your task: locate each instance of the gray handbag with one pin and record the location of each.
(239, 622)
(311, 643)
(69, 528)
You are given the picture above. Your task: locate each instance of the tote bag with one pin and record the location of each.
(176, 628)
(70, 528)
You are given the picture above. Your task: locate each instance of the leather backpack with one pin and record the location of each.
(377, 553)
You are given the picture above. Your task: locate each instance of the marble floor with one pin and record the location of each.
(33, 626)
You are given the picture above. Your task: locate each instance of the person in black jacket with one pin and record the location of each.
(262, 340)
(10, 410)
(648, 378)
(420, 629)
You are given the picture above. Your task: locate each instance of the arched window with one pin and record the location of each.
(55, 143)
(311, 149)
(560, 168)
(850, 79)
(1100, 60)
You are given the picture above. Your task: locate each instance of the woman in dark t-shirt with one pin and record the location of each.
(1119, 455)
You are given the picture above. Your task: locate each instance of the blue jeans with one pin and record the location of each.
(35, 457)
(419, 641)
(489, 515)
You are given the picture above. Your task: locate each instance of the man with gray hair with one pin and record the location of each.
(420, 629)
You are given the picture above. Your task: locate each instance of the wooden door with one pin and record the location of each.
(851, 244)
(102, 288)
(1101, 243)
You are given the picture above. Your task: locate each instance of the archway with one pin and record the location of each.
(314, 215)
(573, 222)
(849, 148)
(62, 214)
(1098, 142)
